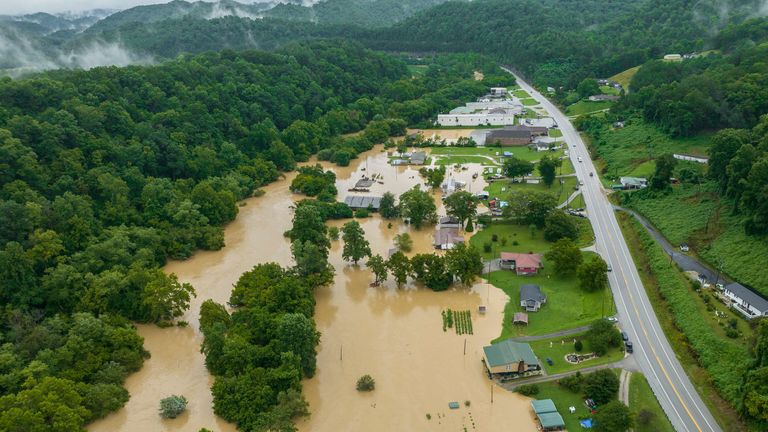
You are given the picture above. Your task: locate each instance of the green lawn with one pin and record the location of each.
(503, 188)
(486, 151)
(566, 167)
(641, 398)
(520, 93)
(609, 90)
(567, 306)
(557, 348)
(507, 234)
(529, 101)
(625, 77)
(586, 107)
(630, 151)
(464, 159)
(525, 153)
(555, 133)
(417, 70)
(564, 398)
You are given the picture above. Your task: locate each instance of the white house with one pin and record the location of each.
(690, 158)
(498, 91)
(477, 119)
(673, 57)
(746, 301)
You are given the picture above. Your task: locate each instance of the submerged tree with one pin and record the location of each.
(172, 406)
(379, 268)
(356, 246)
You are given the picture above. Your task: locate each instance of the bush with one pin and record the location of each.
(528, 389)
(645, 417)
(601, 386)
(578, 346)
(573, 382)
(487, 247)
(362, 213)
(366, 383)
(494, 237)
(333, 233)
(172, 406)
(484, 219)
(503, 241)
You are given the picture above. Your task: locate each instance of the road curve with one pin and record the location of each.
(652, 351)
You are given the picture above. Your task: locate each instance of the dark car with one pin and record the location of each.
(624, 336)
(549, 361)
(628, 344)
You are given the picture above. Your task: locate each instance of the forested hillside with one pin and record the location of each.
(106, 173)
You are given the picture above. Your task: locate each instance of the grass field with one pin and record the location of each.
(555, 133)
(690, 336)
(417, 70)
(567, 306)
(609, 90)
(464, 159)
(529, 101)
(641, 398)
(507, 234)
(630, 151)
(625, 77)
(503, 188)
(520, 93)
(586, 107)
(484, 151)
(696, 215)
(557, 348)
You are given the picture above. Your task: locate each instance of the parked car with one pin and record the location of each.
(628, 344)
(684, 247)
(590, 403)
(549, 361)
(609, 267)
(624, 336)
(612, 319)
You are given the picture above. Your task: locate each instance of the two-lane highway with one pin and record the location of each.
(652, 351)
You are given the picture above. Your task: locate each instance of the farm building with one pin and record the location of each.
(633, 182)
(521, 263)
(363, 202)
(509, 359)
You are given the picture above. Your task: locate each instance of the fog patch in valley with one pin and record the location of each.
(20, 56)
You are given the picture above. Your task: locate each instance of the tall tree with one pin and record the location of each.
(593, 275)
(296, 333)
(602, 386)
(665, 165)
(387, 207)
(613, 417)
(514, 167)
(548, 165)
(400, 267)
(355, 244)
(418, 206)
(462, 205)
(165, 297)
(379, 268)
(464, 262)
(564, 256)
(559, 225)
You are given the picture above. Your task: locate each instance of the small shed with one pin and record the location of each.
(548, 416)
(356, 202)
(520, 318)
(418, 158)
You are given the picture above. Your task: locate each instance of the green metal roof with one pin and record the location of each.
(543, 406)
(551, 420)
(508, 351)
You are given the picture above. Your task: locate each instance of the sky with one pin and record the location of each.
(16, 7)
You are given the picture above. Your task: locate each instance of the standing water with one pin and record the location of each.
(395, 335)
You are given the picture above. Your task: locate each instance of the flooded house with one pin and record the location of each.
(447, 238)
(509, 359)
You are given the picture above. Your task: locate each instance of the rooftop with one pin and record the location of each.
(748, 296)
(357, 201)
(531, 292)
(522, 259)
(543, 406)
(509, 351)
(551, 420)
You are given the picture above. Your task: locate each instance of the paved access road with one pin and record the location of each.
(652, 351)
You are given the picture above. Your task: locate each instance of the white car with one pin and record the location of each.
(580, 160)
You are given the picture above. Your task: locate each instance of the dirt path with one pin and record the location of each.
(624, 386)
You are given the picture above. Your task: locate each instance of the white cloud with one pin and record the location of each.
(17, 7)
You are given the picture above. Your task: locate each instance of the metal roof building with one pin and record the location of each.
(363, 202)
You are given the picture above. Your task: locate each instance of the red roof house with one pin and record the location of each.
(522, 263)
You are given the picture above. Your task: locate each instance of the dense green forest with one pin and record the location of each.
(108, 172)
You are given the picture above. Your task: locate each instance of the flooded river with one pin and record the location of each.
(393, 334)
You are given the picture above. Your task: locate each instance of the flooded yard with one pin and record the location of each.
(393, 334)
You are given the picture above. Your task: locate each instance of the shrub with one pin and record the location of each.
(645, 417)
(528, 389)
(601, 386)
(515, 243)
(172, 406)
(503, 241)
(578, 346)
(362, 213)
(333, 233)
(366, 383)
(573, 382)
(484, 219)
(494, 237)
(487, 247)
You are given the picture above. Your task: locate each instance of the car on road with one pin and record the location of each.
(591, 174)
(609, 267)
(580, 160)
(624, 336)
(581, 183)
(628, 345)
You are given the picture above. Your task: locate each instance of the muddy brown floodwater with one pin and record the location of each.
(393, 334)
